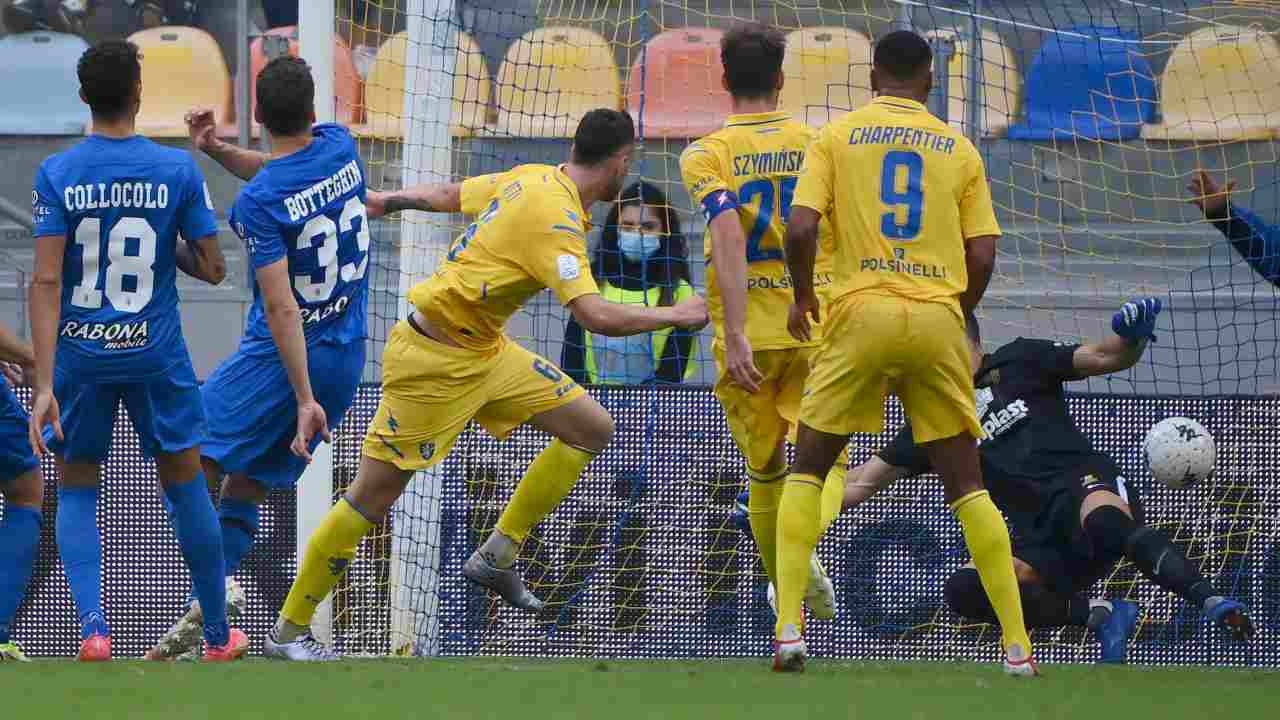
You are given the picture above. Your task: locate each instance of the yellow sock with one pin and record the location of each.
(797, 537)
(549, 479)
(987, 536)
(329, 551)
(833, 492)
(762, 508)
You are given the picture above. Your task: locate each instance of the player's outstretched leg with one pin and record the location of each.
(1115, 534)
(329, 552)
(183, 482)
(238, 520)
(582, 430)
(19, 539)
(987, 537)
(80, 549)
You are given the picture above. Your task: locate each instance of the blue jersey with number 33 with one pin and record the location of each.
(309, 208)
(121, 205)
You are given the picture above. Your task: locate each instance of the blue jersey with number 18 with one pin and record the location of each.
(121, 204)
(309, 207)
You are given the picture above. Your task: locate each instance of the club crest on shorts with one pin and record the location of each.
(427, 449)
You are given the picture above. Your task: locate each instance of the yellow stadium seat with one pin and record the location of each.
(384, 89)
(827, 73)
(182, 68)
(1221, 83)
(551, 77)
(1001, 82)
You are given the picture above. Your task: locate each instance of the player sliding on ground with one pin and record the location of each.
(742, 177)
(449, 362)
(22, 485)
(915, 246)
(1074, 514)
(106, 329)
(303, 219)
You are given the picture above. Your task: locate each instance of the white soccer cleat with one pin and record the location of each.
(789, 651)
(1019, 664)
(182, 641)
(819, 597)
(304, 648)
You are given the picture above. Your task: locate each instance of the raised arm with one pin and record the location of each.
(241, 162)
(597, 315)
(1134, 326)
(439, 197)
(1256, 241)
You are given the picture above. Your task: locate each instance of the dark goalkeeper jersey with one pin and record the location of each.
(1031, 443)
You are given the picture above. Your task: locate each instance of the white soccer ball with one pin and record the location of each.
(1180, 452)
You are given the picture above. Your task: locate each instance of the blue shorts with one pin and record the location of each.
(16, 456)
(253, 415)
(166, 412)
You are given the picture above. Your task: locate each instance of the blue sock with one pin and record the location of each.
(19, 538)
(239, 520)
(80, 547)
(201, 544)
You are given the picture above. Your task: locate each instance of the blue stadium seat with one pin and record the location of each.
(1087, 83)
(42, 93)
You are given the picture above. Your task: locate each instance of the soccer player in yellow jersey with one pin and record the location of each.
(743, 177)
(914, 249)
(449, 362)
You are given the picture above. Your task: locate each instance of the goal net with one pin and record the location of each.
(1091, 118)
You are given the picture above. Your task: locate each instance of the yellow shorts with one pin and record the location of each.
(761, 420)
(875, 345)
(430, 391)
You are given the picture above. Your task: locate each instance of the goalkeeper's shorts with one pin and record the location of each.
(431, 390)
(760, 420)
(878, 344)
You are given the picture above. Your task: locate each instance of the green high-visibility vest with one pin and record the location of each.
(632, 360)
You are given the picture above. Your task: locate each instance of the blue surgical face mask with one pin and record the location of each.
(637, 246)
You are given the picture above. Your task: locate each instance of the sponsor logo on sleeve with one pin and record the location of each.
(568, 266)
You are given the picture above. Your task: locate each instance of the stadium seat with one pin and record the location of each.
(182, 68)
(346, 82)
(827, 73)
(42, 93)
(679, 91)
(1087, 83)
(384, 89)
(1001, 83)
(551, 77)
(1221, 83)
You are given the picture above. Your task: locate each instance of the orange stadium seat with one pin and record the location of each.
(678, 91)
(346, 81)
(182, 68)
(551, 77)
(1221, 83)
(384, 89)
(827, 73)
(1000, 82)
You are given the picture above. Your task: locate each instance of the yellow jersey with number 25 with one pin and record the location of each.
(752, 165)
(904, 192)
(529, 233)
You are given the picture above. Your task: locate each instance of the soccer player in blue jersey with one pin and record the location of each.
(303, 219)
(106, 329)
(23, 490)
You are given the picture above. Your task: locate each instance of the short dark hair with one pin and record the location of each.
(972, 329)
(286, 95)
(752, 57)
(109, 72)
(903, 54)
(601, 133)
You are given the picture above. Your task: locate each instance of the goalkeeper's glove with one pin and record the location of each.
(1136, 320)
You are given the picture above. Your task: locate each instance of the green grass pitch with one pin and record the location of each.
(520, 689)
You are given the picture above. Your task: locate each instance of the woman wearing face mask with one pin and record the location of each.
(642, 259)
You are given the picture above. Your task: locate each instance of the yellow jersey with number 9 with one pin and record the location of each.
(904, 192)
(529, 233)
(752, 165)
